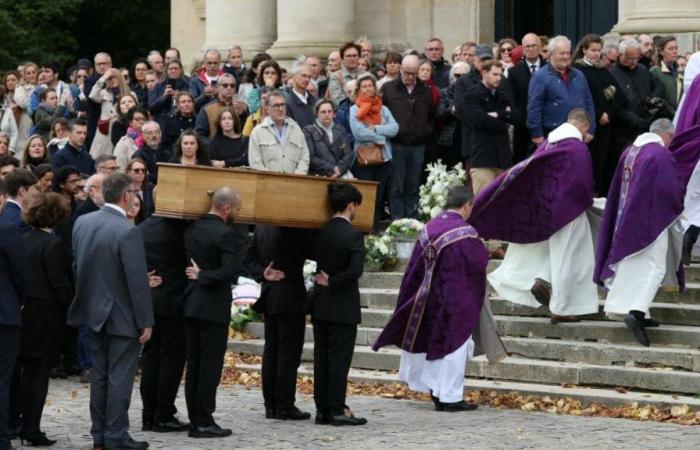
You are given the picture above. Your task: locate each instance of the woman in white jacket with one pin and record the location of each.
(104, 92)
(22, 96)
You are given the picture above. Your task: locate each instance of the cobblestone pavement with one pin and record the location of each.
(392, 424)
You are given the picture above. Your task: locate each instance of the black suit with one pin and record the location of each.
(461, 86)
(207, 309)
(43, 320)
(284, 305)
(340, 253)
(518, 82)
(14, 273)
(163, 357)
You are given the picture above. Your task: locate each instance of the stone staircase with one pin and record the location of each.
(591, 360)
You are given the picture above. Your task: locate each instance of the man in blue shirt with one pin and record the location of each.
(73, 154)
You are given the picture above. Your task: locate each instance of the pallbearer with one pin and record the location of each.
(440, 315)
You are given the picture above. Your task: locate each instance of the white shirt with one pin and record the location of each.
(304, 99)
(9, 200)
(116, 208)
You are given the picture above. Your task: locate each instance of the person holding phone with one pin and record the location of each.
(203, 85)
(162, 99)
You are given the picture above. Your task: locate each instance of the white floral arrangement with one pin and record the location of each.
(433, 194)
(380, 250)
(310, 268)
(407, 229)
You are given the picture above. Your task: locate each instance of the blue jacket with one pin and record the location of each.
(382, 134)
(14, 274)
(13, 214)
(550, 99)
(69, 156)
(161, 106)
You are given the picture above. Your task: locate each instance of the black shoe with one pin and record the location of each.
(650, 323)
(85, 375)
(458, 406)
(269, 413)
(637, 327)
(687, 252)
(436, 402)
(322, 419)
(213, 431)
(339, 421)
(292, 413)
(542, 291)
(131, 445)
(36, 440)
(146, 425)
(171, 425)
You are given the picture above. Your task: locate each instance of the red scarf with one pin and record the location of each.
(369, 109)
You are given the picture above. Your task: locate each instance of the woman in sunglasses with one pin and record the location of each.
(503, 53)
(136, 169)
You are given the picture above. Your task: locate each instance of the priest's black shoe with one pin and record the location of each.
(269, 413)
(146, 425)
(650, 323)
(343, 420)
(292, 413)
(458, 406)
(436, 402)
(171, 425)
(322, 419)
(637, 327)
(130, 445)
(542, 291)
(212, 431)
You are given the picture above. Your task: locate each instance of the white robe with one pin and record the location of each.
(691, 202)
(443, 377)
(566, 260)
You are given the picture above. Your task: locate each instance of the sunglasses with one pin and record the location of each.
(138, 170)
(507, 49)
(228, 85)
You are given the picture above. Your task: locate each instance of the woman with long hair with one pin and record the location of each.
(138, 171)
(228, 148)
(105, 92)
(35, 153)
(667, 71)
(22, 96)
(503, 53)
(269, 74)
(372, 124)
(123, 104)
(607, 99)
(10, 113)
(44, 172)
(133, 139)
(190, 151)
(4, 143)
(43, 317)
(425, 74)
(251, 75)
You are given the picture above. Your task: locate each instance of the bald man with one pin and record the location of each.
(410, 102)
(518, 81)
(212, 250)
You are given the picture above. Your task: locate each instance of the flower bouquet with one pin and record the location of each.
(405, 233)
(380, 251)
(433, 194)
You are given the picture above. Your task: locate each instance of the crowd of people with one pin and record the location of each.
(92, 142)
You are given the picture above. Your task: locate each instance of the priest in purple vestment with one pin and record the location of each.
(640, 240)
(540, 206)
(441, 316)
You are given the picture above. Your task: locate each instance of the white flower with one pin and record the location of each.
(435, 211)
(438, 188)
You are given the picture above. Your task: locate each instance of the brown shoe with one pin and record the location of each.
(542, 291)
(560, 319)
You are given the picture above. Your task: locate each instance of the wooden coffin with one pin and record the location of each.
(268, 197)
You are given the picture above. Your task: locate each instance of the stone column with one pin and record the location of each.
(187, 29)
(250, 24)
(312, 27)
(383, 22)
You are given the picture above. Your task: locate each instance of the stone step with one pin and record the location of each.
(392, 280)
(523, 370)
(385, 298)
(586, 330)
(559, 350)
(666, 313)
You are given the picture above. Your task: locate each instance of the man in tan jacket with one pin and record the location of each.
(278, 144)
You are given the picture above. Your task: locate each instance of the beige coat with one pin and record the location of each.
(266, 152)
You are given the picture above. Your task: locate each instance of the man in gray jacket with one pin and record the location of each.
(112, 299)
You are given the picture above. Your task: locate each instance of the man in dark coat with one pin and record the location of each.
(488, 111)
(340, 255)
(212, 249)
(518, 81)
(276, 257)
(434, 52)
(21, 189)
(300, 103)
(163, 359)
(14, 276)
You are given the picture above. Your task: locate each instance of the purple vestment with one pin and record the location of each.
(645, 197)
(455, 293)
(689, 114)
(537, 197)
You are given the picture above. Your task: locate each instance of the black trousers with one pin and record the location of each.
(334, 344)
(206, 346)
(600, 147)
(284, 342)
(9, 349)
(162, 363)
(34, 385)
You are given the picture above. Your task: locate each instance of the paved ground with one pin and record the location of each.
(392, 424)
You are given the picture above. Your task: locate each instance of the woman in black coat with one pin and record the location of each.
(181, 119)
(329, 145)
(49, 293)
(607, 99)
(228, 148)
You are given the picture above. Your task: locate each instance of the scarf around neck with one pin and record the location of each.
(369, 109)
(137, 136)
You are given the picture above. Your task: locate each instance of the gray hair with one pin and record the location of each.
(90, 182)
(661, 127)
(578, 116)
(224, 196)
(236, 47)
(628, 43)
(609, 45)
(103, 158)
(212, 50)
(114, 186)
(150, 123)
(458, 65)
(106, 55)
(151, 54)
(225, 75)
(299, 64)
(275, 93)
(552, 45)
(458, 196)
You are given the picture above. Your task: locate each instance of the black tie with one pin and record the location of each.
(533, 67)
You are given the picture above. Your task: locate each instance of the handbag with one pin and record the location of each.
(370, 155)
(103, 126)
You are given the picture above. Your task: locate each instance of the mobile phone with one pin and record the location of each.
(172, 82)
(213, 83)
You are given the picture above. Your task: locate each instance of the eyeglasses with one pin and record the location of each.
(139, 170)
(351, 55)
(531, 46)
(433, 49)
(81, 76)
(278, 106)
(110, 168)
(506, 49)
(409, 74)
(228, 85)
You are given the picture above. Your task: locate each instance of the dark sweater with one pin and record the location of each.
(233, 151)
